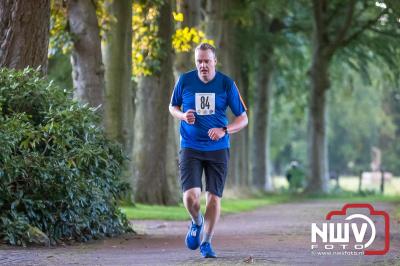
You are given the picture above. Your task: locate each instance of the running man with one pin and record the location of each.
(199, 100)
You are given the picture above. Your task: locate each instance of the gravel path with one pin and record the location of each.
(278, 235)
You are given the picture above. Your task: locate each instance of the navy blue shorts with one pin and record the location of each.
(214, 163)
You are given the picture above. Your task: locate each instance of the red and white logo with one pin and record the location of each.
(356, 227)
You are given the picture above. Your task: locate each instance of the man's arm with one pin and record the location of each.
(237, 124)
(188, 116)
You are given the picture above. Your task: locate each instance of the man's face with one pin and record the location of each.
(205, 64)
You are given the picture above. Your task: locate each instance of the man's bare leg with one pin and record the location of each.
(213, 208)
(191, 200)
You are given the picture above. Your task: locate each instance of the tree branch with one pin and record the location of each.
(362, 29)
(318, 17)
(344, 29)
(386, 33)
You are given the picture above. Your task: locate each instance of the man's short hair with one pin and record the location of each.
(206, 46)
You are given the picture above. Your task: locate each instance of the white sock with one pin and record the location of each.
(198, 220)
(206, 237)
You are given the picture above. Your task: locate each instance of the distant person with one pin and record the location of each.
(295, 176)
(200, 99)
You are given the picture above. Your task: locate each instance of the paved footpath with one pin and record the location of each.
(272, 235)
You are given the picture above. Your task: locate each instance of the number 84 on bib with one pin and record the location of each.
(205, 103)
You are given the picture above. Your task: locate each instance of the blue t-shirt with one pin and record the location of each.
(210, 101)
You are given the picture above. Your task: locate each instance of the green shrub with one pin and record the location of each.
(58, 173)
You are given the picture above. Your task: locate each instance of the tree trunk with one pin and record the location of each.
(261, 116)
(317, 139)
(229, 59)
(151, 123)
(328, 37)
(119, 111)
(183, 62)
(223, 32)
(87, 65)
(24, 33)
(118, 72)
(260, 171)
(238, 164)
(214, 21)
(172, 169)
(244, 143)
(317, 142)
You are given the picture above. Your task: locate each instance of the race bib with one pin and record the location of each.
(205, 103)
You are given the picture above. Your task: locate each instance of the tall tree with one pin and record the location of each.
(262, 93)
(183, 62)
(24, 33)
(119, 100)
(221, 26)
(261, 39)
(151, 121)
(86, 60)
(117, 57)
(330, 33)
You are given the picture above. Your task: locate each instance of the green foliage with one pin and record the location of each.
(364, 73)
(359, 110)
(390, 144)
(58, 173)
(60, 69)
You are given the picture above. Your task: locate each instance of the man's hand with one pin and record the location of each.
(189, 117)
(216, 133)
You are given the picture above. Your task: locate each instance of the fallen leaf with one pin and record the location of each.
(161, 225)
(248, 260)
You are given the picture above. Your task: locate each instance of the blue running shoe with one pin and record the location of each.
(193, 235)
(207, 251)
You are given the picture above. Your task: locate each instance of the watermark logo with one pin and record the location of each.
(352, 231)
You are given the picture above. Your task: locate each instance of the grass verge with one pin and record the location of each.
(176, 213)
(235, 205)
